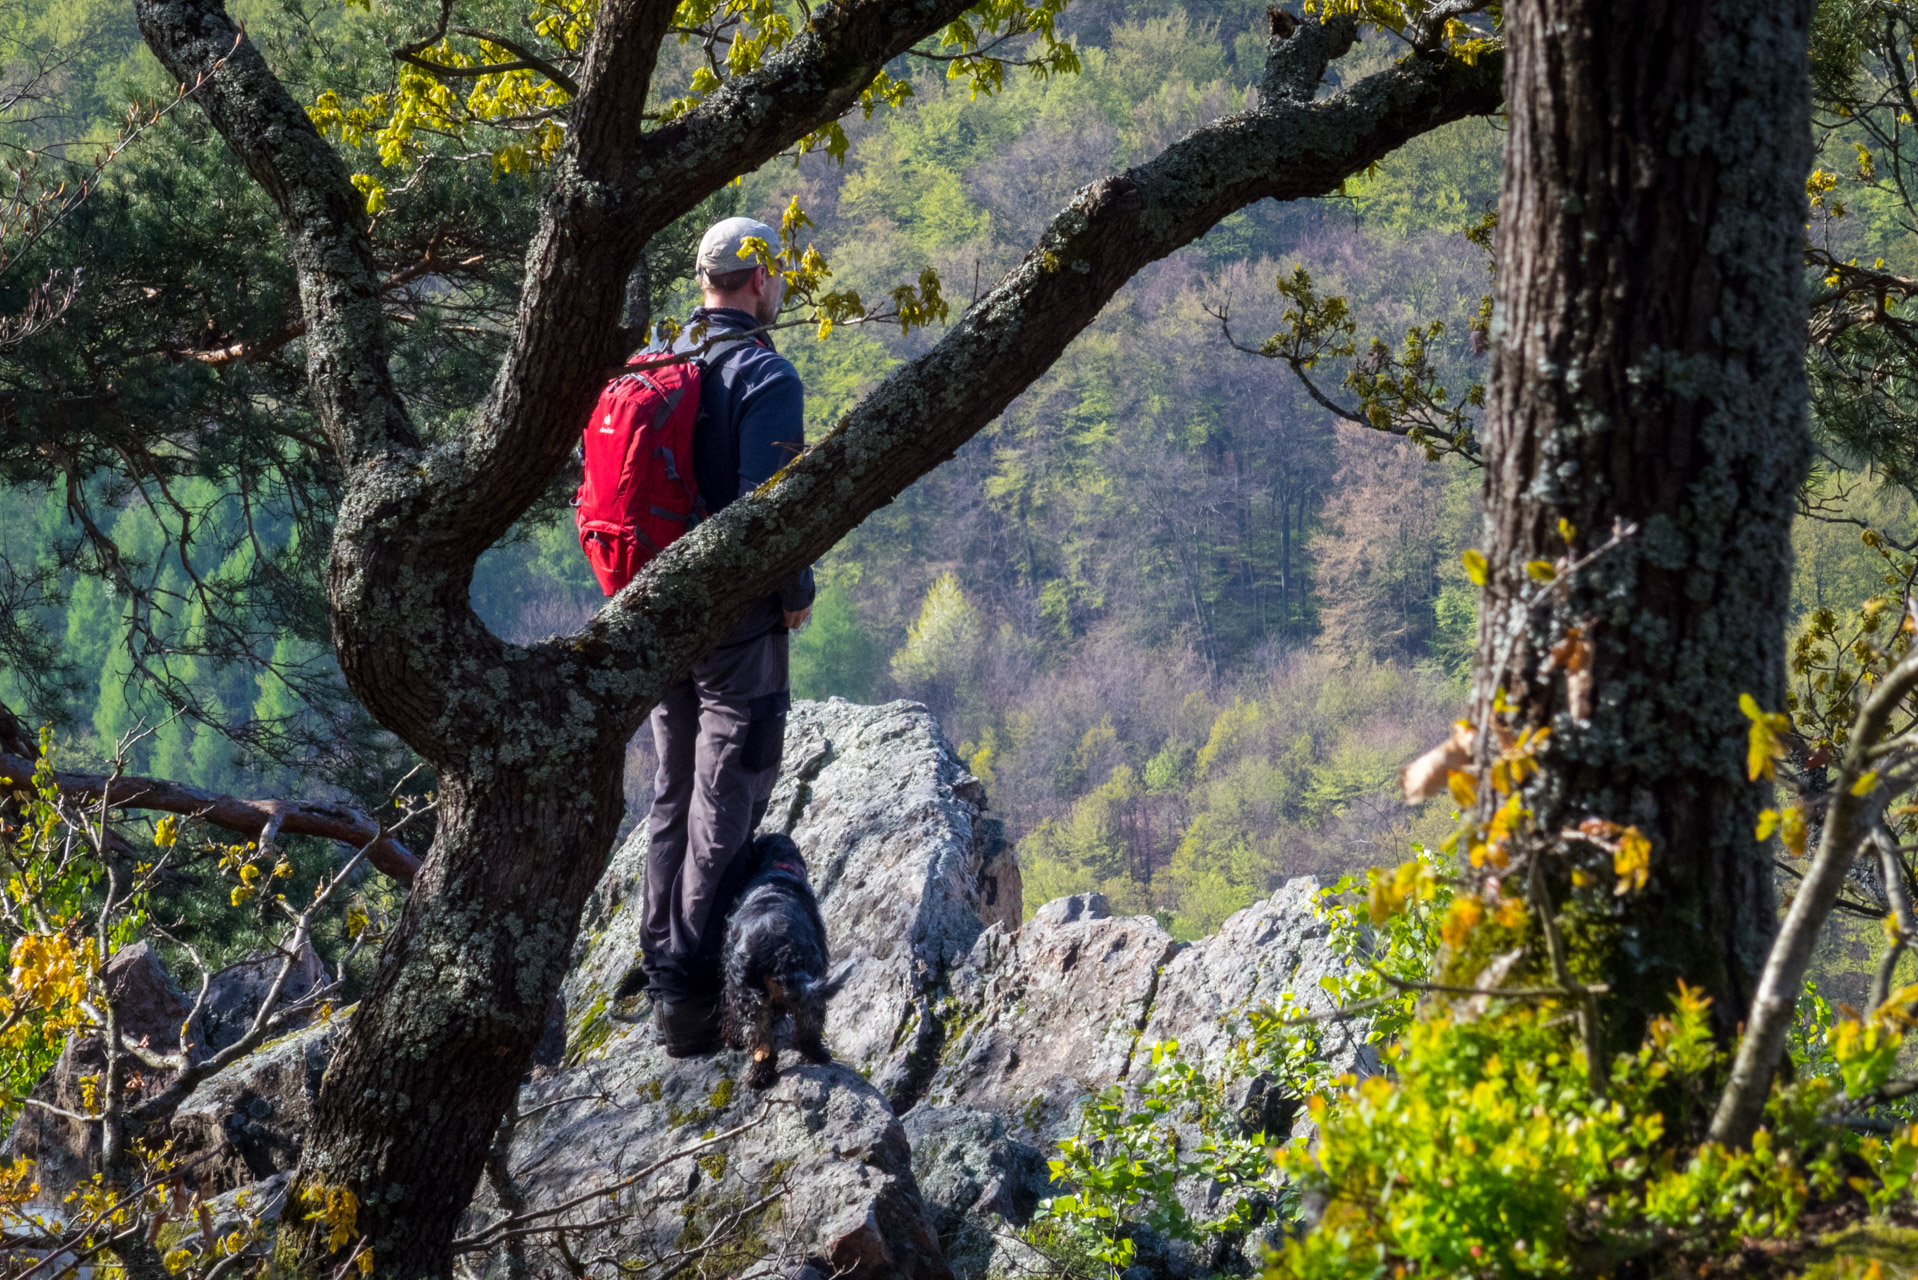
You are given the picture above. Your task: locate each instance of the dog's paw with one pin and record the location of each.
(763, 1072)
(813, 1051)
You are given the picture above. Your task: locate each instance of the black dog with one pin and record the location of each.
(776, 961)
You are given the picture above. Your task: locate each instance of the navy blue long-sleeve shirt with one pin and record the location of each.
(752, 422)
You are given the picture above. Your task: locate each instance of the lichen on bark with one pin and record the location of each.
(1648, 349)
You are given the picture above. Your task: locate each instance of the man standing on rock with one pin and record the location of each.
(720, 731)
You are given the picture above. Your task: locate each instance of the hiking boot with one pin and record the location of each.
(688, 1028)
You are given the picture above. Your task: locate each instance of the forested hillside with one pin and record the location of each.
(1184, 623)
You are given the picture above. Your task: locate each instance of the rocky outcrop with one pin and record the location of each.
(1044, 1014)
(964, 1040)
(818, 1172)
(908, 866)
(1271, 949)
(1069, 1004)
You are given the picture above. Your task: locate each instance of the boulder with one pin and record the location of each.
(1258, 956)
(908, 867)
(256, 1112)
(234, 994)
(980, 1183)
(1045, 1014)
(816, 1171)
(150, 1006)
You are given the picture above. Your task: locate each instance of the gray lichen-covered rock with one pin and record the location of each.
(1041, 1016)
(979, 1183)
(819, 1172)
(234, 994)
(909, 870)
(1069, 1004)
(255, 1113)
(1257, 957)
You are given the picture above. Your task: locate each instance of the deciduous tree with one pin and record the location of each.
(1648, 349)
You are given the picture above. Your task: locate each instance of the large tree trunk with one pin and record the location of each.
(1649, 341)
(460, 998)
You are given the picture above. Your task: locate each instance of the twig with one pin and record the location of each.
(1502, 993)
(489, 1235)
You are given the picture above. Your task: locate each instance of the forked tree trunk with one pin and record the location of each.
(1649, 343)
(460, 998)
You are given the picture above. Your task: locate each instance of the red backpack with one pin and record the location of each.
(639, 493)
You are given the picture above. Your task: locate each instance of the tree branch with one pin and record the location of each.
(617, 188)
(923, 412)
(242, 817)
(325, 219)
(1742, 1104)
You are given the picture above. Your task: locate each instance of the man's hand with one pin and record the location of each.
(794, 621)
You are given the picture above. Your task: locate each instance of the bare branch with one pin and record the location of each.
(250, 818)
(1775, 1003)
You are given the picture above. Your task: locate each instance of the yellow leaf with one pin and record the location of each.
(1792, 830)
(1385, 900)
(1566, 530)
(1459, 922)
(1767, 824)
(1762, 744)
(1540, 570)
(1631, 861)
(1475, 567)
(1464, 788)
(166, 831)
(1866, 781)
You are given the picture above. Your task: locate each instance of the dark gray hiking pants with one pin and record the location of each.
(719, 734)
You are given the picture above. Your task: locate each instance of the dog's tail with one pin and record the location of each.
(829, 986)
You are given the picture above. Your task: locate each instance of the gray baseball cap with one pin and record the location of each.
(719, 247)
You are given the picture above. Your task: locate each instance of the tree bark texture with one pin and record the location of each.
(1649, 339)
(529, 740)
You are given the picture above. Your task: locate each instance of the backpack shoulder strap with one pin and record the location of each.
(722, 346)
